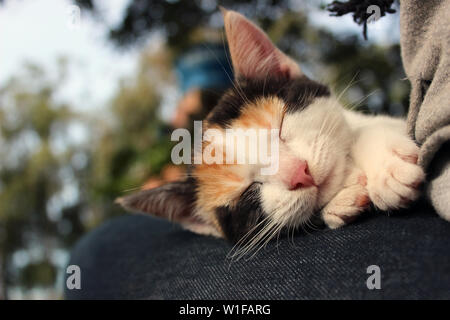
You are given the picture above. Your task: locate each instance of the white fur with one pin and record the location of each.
(342, 149)
(383, 150)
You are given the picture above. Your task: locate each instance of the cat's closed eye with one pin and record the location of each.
(254, 184)
(250, 190)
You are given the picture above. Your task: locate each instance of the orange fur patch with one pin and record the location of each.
(217, 184)
(221, 184)
(265, 113)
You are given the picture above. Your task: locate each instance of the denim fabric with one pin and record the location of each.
(138, 257)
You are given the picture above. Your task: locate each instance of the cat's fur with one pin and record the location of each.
(354, 159)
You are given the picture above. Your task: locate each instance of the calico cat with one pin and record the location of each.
(331, 160)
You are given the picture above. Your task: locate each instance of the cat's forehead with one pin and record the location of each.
(295, 94)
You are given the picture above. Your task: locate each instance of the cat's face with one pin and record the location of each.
(239, 201)
(312, 149)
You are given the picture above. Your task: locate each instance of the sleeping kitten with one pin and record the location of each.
(331, 160)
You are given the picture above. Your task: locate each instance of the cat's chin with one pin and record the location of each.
(304, 206)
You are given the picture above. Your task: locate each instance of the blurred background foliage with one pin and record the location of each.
(55, 186)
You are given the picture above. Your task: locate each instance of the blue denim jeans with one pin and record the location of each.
(139, 257)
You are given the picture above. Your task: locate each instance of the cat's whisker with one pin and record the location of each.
(262, 238)
(309, 222)
(292, 226)
(264, 85)
(242, 251)
(291, 229)
(257, 239)
(357, 104)
(236, 84)
(242, 240)
(237, 247)
(132, 189)
(351, 83)
(275, 229)
(320, 141)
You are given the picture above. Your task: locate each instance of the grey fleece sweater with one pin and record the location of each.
(425, 43)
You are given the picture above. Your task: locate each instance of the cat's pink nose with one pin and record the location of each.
(301, 177)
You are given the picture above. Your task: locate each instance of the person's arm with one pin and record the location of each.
(425, 44)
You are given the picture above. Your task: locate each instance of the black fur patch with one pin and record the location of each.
(297, 93)
(236, 222)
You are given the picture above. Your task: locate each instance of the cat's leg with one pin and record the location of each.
(349, 202)
(388, 157)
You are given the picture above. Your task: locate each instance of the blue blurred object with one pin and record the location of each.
(204, 66)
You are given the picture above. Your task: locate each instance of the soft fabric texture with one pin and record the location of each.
(425, 43)
(139, 257)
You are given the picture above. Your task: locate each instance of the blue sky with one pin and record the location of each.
(39, 31)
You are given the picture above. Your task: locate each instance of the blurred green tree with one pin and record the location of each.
(134, 143)
(37, 169)
(54, 187)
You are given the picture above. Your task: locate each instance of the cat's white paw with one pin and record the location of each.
(348, 203)
(393, 177)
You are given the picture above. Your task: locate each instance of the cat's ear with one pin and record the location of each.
(253, 55)
(173, 201)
